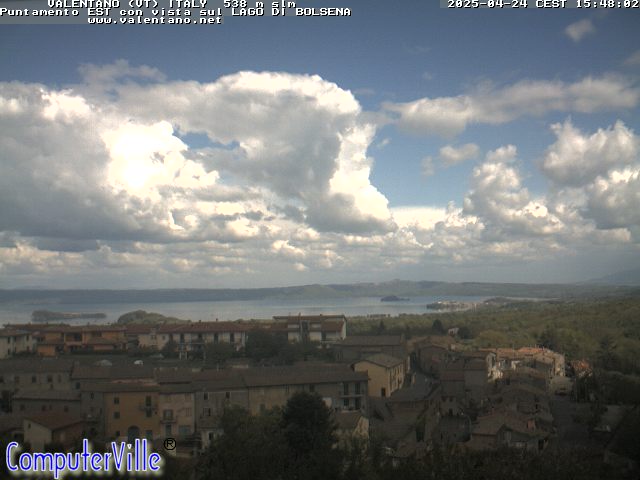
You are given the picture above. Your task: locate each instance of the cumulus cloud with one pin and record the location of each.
(487, 104)
(451, 155)
(597, 173)
(101, 177)
(576, 159)
(580, 29)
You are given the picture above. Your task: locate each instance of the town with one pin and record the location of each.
(121, 382)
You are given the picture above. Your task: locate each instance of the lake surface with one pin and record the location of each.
(233, 310)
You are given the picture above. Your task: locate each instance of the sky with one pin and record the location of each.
(407, 141)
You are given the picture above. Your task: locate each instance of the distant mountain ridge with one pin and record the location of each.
(399, 288)
(626, 277)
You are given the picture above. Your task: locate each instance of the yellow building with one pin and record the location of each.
(386, 373)
(340, 387)
(53, 340)
(130, 410)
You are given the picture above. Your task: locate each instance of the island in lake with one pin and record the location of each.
(393, 298)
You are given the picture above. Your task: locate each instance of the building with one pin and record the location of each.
(15, 341)
(313, 328)
(53, 340)
(124, 410)
(52, 402)
(340, 387)
(217, 389)
(44, 429)
(190, 338)
(357, 347)
(507, 429)
(386, 373)
(35, 374)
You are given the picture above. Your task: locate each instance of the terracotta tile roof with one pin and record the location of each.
(383, 360)
(204, 327)
(309, 318)
(452, 376)
(373, 340)
(43, 394)
(120, 387)
(272, 376)
(12, 332)
(493, 423)
(347, 421)
(92, 372)
(35, 365)
(54, 422)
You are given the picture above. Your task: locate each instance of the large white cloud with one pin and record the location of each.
(104, 177)
(487, 104)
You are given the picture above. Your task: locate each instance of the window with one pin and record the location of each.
(167, 414)
(77, 385)
(116, 400)
(215, 338)
(206, 412)
(116, 415)
(232, 338)
(205, 396)
(227, 395)
(91, 395)
(167, 429)
(345, 402)
(383, 392)
(358, 404)
(357, 388)
(1, 379)
(49, 378)
(345, 387)
(33, 379)
(147, 401)
(117, 434)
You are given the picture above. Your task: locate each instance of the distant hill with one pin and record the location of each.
(626, 277)
(398, 288)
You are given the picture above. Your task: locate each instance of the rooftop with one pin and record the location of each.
(373, 340)
(54, 422)
(383, 360)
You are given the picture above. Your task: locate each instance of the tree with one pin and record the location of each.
(218, 353)
(464, 332)
(309, 432)
(170, 349)
(437, 327)
(262, 345)
(250, 448)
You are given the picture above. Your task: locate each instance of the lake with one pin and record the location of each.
(233, 310)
